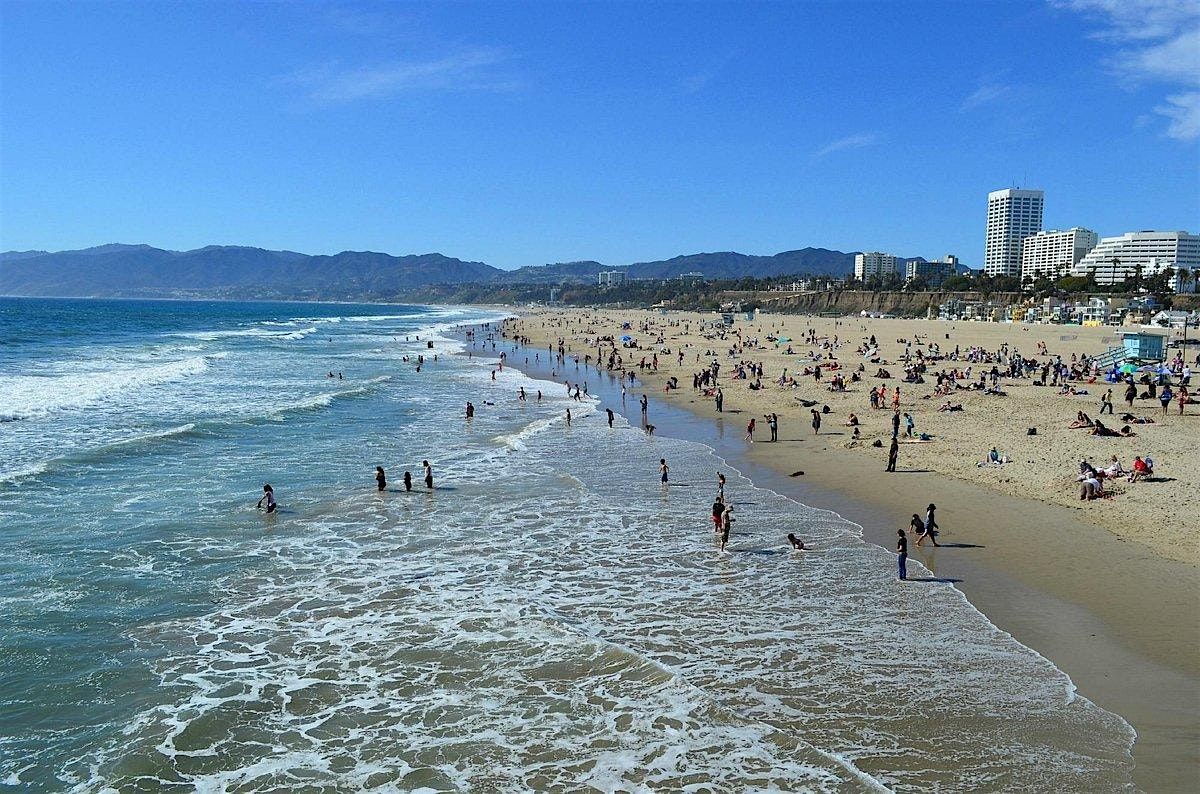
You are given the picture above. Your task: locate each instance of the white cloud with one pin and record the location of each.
(988, 92)
(472, 69)
(857, 141)
(1184, 112)
(1159, 42)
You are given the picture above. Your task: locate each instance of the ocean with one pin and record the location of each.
(548, 618)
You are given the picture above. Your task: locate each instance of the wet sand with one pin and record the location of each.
(1120, 618)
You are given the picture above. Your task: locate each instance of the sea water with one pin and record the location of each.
(548, 618)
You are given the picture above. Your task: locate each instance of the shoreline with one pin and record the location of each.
(1117, 618)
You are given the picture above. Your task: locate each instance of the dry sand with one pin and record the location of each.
(1109, 590)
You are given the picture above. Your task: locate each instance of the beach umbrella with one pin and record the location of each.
(785, 339)
(1148, 368)
(1128, 368)
(627, 338)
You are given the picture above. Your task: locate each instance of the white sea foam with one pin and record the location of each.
(237, 333)
(33, 396)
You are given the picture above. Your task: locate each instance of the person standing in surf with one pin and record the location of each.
(268, 497)
(408, 480)
(902, 554)
(380, 478)
(428, 474)
(663, 469)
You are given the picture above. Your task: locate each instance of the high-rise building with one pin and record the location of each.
(1115, 259)
(1013, 215)
(933, 272)
(610, 278)
(1053, 254)
(875, 266)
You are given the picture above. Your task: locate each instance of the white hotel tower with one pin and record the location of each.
(1053, 254)
(1013, 215)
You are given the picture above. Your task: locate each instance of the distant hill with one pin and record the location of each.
(117, 270)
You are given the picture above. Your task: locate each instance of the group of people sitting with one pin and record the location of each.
(1091, 480)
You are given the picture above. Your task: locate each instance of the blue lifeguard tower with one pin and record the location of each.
(1144, 345)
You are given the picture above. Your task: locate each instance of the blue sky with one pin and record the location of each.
(523, 133)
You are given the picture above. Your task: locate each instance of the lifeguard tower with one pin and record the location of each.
(1144, 345)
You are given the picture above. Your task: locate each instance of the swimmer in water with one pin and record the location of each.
(797, 544)
(408, 480)
(470, 410)
(268, 497)
(380, 478)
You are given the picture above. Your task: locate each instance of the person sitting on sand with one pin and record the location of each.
(852, 420)
(1081, 420)
(1142, 468)
(1114, 468)
(949, 406)
(796, 543)
(994, 458)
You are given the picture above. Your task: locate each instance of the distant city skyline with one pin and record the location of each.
(534, 133)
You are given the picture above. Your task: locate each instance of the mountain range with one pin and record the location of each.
(117, 270)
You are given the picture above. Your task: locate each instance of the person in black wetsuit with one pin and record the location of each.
(408, 480)
(380, 478)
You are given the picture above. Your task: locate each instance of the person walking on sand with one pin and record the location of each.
(1106, 402)
(902, 554)
(895, 424)
(931, 524)
(893, 454)
(908, 425)
(268, 497)
(816, 421)
(720, 400)
(920, 530)
(610, 416)
(750, 431)
(428, 474)
(380, 478)
(663, 469)
(1165, 397)
(896, 398)
(773, 424)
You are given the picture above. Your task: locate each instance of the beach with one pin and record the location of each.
(548, 615)
(1107, 589)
